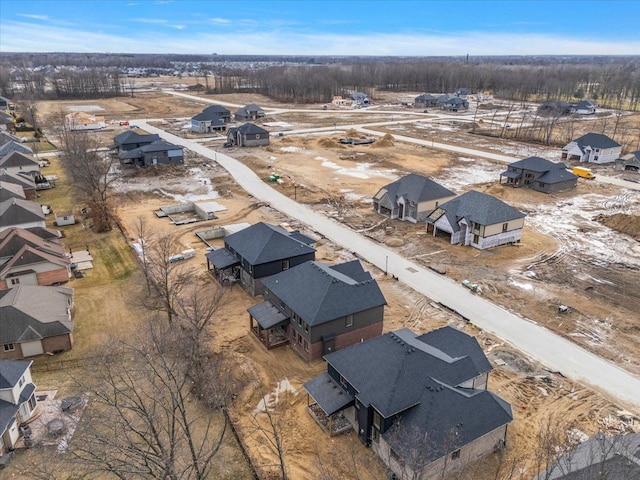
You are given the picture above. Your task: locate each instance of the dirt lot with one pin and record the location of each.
(571, 253)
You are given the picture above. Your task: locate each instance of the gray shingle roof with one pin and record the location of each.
(43, 309)
(24, 180)
(264, 243)
(477, 207)
(536, 164)
(248, 110)
(320, 293)
(131, 137)
(217, 109)
(213, 117)
(400, 372)
(596, 140)
(16, 211)
(251, 129)
(14, 239)
(10, 190)
(14, 147)
(416, 188)
(19, 159)
(618, 456)
(11, 371)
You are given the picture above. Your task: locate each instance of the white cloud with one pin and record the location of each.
(35, 17)
(154, 21)
(220, 21)
(24, 36)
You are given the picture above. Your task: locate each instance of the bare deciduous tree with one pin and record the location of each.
(144, 420)
(91, 171)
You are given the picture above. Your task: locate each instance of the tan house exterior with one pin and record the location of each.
(478, 220)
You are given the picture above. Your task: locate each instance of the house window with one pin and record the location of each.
(15, 281)
(343, 381)
(505, 227)
(21, 382)
(377, 420)
(285, 264)
(250, 268)
(455, 455)
(32, 403)
(299, 338)
(257, 136)
(9, 347)
(476, 238)
(437, 204)
(349, 321)
(306, 327)
(306, 346)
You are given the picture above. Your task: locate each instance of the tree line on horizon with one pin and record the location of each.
(613, 82)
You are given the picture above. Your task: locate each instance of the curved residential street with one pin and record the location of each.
(534, 340)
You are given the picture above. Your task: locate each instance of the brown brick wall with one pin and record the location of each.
(59, 342)
(15, 354)
(3, 284)
(341, 341)
(51, 277)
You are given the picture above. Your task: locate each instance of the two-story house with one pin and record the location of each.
(410, 198)
(540, 175)
(213, 118)
(319, 308)
(420, 401)
(257, 252)
(477, 219)
(131, 140)
(17, 400)
(249, 112)
(592, 148)
(248, 135)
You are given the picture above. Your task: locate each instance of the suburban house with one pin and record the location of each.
(601, 457)
(83, 121)
(158, 152)
(477, 219)
(10, 190)
(592, 148)
(419, 401)
(19, 162)
(208, 121)
(6, 121)
(27, 259)
(629, 162)
(248, 135)
(249, 112)
(23, 180)
(16, 212)
(218, 111)
(410, 198)
(257, 252)
(462, 92)
(540, 175)
(35, 320)
(131, 140)
(455, 104)
(425, 100)
(13, 146)
(584, 107)
(359, 100)
(318, 308)
(17, 400)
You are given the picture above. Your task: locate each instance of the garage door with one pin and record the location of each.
(30, 349)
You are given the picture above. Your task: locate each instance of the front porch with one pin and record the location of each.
(268, 324)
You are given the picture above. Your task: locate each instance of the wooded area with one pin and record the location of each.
(613, 82)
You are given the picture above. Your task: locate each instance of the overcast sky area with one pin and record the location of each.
(375, 27)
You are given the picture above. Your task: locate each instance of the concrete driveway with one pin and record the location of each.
(538, 342)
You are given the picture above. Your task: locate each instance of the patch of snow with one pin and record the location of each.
(270, 400)
(85, 108)
(291, 149)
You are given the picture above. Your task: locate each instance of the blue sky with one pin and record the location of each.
(374, 27)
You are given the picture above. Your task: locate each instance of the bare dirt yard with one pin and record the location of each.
(579, 249)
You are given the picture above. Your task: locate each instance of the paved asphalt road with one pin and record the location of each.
(539, 343)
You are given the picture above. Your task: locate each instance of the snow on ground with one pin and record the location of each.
(459, 177)
(362, 170)
(351, 196)
(572, 223)
(85, 108)
(291, 149)
(270, 400)
(194, 186)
